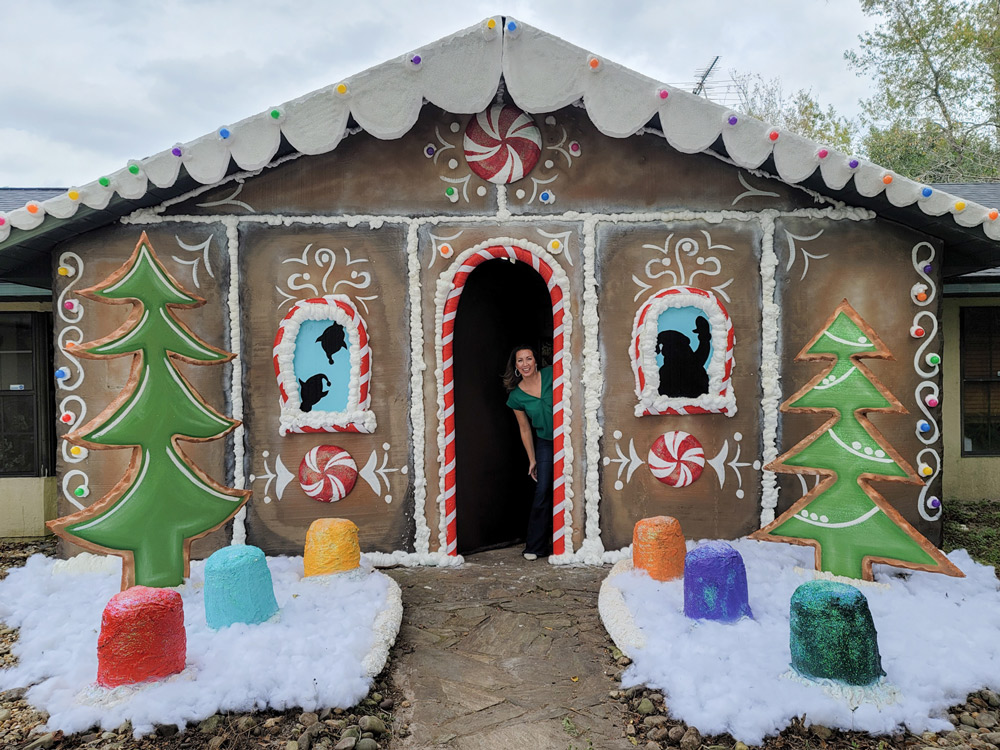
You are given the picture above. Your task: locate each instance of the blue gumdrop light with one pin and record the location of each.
(545, 196)
(223, 133)
(62, 373)
(511, 26)
(923, 425)
(927, 192)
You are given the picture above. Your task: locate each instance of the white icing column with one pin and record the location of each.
(236, 346)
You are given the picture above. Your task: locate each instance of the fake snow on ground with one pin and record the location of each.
(330, 638)
(937, 636)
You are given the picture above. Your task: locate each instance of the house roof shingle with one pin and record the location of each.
(461, 73)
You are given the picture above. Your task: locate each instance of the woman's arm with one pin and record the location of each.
(529, 441)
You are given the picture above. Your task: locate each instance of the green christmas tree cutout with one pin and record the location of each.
(843, 517)
(164, 502)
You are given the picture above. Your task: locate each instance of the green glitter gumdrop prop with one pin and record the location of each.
(832, 634)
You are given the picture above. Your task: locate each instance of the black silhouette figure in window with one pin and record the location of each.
(311, 391)
(683, 374)
(332, 340)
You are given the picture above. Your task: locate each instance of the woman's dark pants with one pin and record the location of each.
(539, 539)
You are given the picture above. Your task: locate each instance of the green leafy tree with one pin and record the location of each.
(844, 518)
(934, 115)
(798, 112)
(164, 502)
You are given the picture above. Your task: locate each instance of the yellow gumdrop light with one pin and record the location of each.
(331, 547)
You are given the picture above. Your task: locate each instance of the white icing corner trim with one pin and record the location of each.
(461, 73)
(356, 417)
(720, 396)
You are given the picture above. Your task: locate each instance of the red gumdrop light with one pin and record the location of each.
(822, 153)
(773, 135)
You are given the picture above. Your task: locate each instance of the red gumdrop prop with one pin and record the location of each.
(142, 637)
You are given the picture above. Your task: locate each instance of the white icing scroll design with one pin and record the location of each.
(281, 477)
(919, 357)
(631, 462)
(203, 249)
(719, 464)
(75, 419)
(230, 200)
(441, 246)
(932, 435)
(375, 475)
(673, 263)
(806, 257)
(930, 507)
(70, 495)
(324, 260)
(70, 312)
(751, 191)
(928, 286)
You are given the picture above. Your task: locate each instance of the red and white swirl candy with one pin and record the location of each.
(327, 473)
(502, 144)
(676, 458)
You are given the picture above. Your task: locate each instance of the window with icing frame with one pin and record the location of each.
(980, 366)
(27, 437)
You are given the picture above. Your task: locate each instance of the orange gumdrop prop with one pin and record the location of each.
(658, 548)
(331, 547)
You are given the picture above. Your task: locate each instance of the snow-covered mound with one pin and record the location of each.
(330, 638)
(937, 636)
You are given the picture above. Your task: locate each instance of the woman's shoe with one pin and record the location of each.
(530, 556)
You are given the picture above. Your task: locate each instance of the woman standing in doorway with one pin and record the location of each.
(530, 396)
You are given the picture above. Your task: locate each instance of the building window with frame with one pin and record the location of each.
(26, 431)
(980, 353)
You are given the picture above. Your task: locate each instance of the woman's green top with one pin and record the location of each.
(539, 410)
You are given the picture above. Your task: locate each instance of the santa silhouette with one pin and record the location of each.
(683, 373)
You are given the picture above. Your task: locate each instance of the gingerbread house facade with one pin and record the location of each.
(372, 251)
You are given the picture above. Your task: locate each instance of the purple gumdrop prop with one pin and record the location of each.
(715, 584)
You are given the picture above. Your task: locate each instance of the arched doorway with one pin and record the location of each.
(453, 283)
(503, 304)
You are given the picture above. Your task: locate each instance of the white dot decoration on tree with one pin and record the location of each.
(328, 473)
(502, 144)
(676, 458)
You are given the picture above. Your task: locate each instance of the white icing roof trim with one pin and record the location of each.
(461, 74)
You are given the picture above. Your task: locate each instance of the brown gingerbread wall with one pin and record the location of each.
(374, 220)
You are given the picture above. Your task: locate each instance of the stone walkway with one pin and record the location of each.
(503, 653)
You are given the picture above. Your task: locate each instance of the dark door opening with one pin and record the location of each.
(502, 305)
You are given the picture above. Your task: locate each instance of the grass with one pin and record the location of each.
(974, 526)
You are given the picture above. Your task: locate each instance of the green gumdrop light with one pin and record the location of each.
(133, 168)
(79, 492)
(450, 191)
(104, 182)
(832, 634)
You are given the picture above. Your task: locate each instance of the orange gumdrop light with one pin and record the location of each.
(887, 179)
(922, 297)
(658, 548)
(594, 63)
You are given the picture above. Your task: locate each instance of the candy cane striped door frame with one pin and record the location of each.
(557, 283)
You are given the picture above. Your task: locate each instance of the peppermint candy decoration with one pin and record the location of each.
(502, 144)
(676, 458)
(327, 473)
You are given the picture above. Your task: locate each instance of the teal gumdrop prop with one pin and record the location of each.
(832, 634)
(238, 587)
(715, 583)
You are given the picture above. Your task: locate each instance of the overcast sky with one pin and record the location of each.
(87, 85)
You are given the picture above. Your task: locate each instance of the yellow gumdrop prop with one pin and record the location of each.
(331, 547)
(658, 547)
